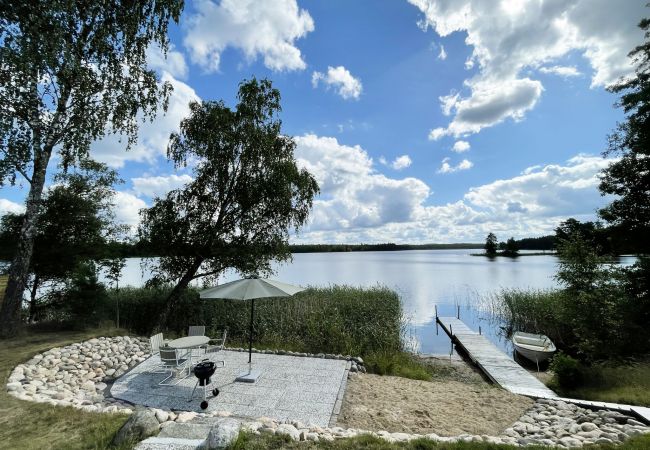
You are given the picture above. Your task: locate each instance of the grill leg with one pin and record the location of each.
(193, 390)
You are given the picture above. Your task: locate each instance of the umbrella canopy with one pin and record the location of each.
(250, 289)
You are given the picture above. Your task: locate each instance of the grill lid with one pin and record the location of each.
(204, 369)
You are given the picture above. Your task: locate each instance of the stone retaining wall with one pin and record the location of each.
(77, 376)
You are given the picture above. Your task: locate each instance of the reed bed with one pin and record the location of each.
(336, 319)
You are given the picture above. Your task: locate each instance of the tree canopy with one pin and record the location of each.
(74, 224)
(247, 192)
(71, 72)
(491, 244)
(629, 177)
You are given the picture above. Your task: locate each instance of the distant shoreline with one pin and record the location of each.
(389, 247)
(551, 253)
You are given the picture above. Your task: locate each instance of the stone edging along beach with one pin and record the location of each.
(77, 376)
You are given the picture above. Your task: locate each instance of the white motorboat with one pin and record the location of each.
(535, 347)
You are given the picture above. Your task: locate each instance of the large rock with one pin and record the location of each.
(288, 430)
(141, 425)
(223, 434)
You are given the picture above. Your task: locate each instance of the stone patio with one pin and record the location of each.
(306, 389)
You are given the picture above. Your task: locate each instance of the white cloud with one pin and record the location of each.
(509, 37)
(340, 79)
(460, 146)
(401, 162)
(353, 194)
(127, 208)
(152, 136)
(359, 205)
(552, 190)
(266, 29)
(7, 206)
(491, 103)
(563, 71)
(174, 63)
(158, 186)
(445, 167)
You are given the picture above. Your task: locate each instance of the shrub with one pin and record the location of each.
(568, 371)
(401, 364)
(86, 298)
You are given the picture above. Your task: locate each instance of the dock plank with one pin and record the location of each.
(508, 374)
(495, 364)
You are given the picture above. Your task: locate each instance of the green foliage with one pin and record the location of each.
(246, 195)
(535, 312)
(511, 248)
(592, 233)
(602, 313)
(627, 383)
(568, 371)
(86, 299)
(401, 364)
(338, 319)
(629, 177)
(491, 245)
(71, 72)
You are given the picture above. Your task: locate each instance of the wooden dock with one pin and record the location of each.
(505, 372)
(501, 369)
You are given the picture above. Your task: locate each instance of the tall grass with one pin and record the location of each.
(337, 319)
(627, 384)
(533, 311)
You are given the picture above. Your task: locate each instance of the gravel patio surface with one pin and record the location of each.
(289, 388)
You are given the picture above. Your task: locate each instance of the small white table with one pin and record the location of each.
(189, 342)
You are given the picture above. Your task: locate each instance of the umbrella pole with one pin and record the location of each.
(250, 335)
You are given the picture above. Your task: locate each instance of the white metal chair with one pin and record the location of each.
(156, 342)
(177, 363)
(217, 344)
(196, 330)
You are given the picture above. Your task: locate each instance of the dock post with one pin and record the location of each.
(458, 312)
(436, 309)
(479, 330)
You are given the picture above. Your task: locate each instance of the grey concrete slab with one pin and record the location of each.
(288, 388)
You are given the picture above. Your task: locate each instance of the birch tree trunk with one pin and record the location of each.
(10, 320)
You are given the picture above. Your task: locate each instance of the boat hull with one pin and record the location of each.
(534, 347)
(533, 355)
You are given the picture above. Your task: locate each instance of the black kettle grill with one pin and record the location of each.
(203, 371)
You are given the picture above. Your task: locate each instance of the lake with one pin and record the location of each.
(424, 279)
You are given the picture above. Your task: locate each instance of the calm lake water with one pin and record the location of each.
(424, 279)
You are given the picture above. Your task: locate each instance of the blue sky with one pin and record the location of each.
(423, 120)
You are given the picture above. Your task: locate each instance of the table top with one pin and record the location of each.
(189, 342)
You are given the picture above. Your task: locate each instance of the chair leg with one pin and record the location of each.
(181, 378)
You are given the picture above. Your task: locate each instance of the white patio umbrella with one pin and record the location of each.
(250, 289)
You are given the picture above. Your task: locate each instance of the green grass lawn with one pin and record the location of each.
(272, 442)
(629, 384)
(27, 425)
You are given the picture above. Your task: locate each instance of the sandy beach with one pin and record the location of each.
(445, 407)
